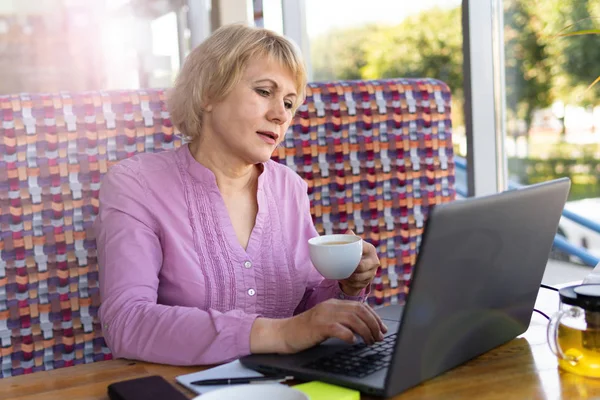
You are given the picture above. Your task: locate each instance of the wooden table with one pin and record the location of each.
(521, 369)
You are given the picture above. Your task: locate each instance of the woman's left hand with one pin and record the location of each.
(363, 274)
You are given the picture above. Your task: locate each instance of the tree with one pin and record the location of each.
(527, 66)
(340, 53)
(428, 44)
(579, 55)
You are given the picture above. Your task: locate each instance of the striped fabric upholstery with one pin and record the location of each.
(376, 156)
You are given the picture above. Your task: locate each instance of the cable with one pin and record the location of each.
(538, 311)
(549, 287)
(543, 315)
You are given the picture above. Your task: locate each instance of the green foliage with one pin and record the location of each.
(540, 66)
(580, 33)
(341, 54)
(584, 173)
(426, 45)
(527, 67)
(582, 52)
(575, 59)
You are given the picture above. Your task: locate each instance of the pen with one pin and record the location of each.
(251, 379)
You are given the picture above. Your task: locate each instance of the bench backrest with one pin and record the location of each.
(376, 155)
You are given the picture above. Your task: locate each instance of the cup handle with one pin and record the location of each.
(552, 335)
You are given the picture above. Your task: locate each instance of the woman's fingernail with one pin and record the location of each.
(385, 328)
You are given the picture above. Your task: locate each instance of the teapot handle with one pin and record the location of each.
(552, 334)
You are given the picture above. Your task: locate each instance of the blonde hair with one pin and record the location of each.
(213, 68)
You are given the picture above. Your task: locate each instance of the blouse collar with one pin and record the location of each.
(202, 174)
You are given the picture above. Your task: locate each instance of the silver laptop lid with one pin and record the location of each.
(476, 279)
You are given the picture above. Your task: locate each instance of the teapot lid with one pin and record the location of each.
(584, 296)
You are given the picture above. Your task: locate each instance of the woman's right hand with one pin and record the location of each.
(333, 318)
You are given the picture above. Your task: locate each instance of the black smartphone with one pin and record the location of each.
(153, 387)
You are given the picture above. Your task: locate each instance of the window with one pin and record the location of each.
(350, 39)
(79, 45)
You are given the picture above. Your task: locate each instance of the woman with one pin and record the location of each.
(203, 250)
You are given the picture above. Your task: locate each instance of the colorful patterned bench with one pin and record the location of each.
(376, 155)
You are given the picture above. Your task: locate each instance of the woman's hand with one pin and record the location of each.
(364, 273)
(333, 318)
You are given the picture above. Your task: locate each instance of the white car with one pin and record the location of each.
(577, 234)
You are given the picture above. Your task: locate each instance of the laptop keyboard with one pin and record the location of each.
(358, 360)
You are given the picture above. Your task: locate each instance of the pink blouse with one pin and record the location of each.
(176, 286)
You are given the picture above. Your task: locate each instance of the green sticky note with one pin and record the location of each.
(325, 391)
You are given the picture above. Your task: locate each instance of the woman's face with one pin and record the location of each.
(252, 120)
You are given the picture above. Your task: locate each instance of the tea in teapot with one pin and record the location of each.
(574, 331)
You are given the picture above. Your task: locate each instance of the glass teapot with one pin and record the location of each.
(574, 331)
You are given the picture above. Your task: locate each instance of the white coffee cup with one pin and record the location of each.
(335, 256)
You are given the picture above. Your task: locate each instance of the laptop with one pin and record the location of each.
(474, 286)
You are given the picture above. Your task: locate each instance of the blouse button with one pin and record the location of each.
(247, 264)
(251, 292)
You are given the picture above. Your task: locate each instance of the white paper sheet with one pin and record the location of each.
(234, 369)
